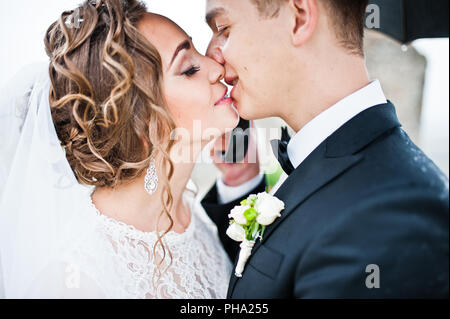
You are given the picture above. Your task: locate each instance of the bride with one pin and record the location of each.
(95, 201)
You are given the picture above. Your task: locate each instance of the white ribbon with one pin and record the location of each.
(244, 255)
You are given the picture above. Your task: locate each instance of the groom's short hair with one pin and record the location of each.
(347, 16)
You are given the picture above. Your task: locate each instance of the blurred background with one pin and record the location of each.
(415, 77)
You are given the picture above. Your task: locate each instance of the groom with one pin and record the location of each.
(367, 213)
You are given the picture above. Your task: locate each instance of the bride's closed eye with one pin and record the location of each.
(191, 71)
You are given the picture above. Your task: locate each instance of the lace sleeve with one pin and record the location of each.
(64, 281)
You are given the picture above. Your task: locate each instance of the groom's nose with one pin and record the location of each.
(214, 51)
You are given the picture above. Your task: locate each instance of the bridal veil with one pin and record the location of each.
(41, 202)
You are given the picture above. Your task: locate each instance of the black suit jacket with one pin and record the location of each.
(366, 196)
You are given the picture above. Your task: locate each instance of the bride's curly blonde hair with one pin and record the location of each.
(106, 96)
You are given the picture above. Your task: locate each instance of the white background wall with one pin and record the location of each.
(23, 24)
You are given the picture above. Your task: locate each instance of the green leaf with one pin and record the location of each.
(263, 229)
(272, 179)
(255, 229)
(248, 233)
(251, 200)
(252, 230)
(244, 202)
(250, 214)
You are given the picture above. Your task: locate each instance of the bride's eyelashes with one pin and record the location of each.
(191, 71)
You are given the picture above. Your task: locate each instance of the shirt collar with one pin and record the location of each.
(325, 124)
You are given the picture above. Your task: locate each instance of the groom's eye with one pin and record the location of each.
(191, 71)
(221, 30)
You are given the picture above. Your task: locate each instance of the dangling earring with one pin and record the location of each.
(151, 178)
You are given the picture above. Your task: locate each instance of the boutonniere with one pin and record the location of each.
(249, 221)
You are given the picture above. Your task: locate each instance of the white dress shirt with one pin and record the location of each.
(313, 134)
(227, 194)
(325, 124)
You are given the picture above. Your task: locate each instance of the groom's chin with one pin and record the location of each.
(248, 113)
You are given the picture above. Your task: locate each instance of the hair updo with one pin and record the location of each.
(106, 92)
(106, 95)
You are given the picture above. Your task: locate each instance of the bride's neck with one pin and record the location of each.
(131, 204)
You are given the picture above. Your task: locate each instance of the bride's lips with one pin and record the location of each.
(224, 100)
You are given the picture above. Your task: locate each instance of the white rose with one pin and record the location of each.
(236, 232)
(269, 208)
(237, 214)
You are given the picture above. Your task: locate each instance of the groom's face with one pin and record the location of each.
(252, 49)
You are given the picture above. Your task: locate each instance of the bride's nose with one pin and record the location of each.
(217, 72)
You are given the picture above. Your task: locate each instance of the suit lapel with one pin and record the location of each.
(312, 175)
(305, 181)
(336, 155)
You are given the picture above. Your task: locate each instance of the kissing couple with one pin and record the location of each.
(93, 204)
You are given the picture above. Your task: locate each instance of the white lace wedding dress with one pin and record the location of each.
(115, 260)
(53, 241)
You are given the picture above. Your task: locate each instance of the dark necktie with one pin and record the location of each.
(279, 148)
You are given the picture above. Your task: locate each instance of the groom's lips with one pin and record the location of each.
(233, 81)
(234, 97)
(230, 80)
(232, 93)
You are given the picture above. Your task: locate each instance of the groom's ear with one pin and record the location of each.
(305, 16)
